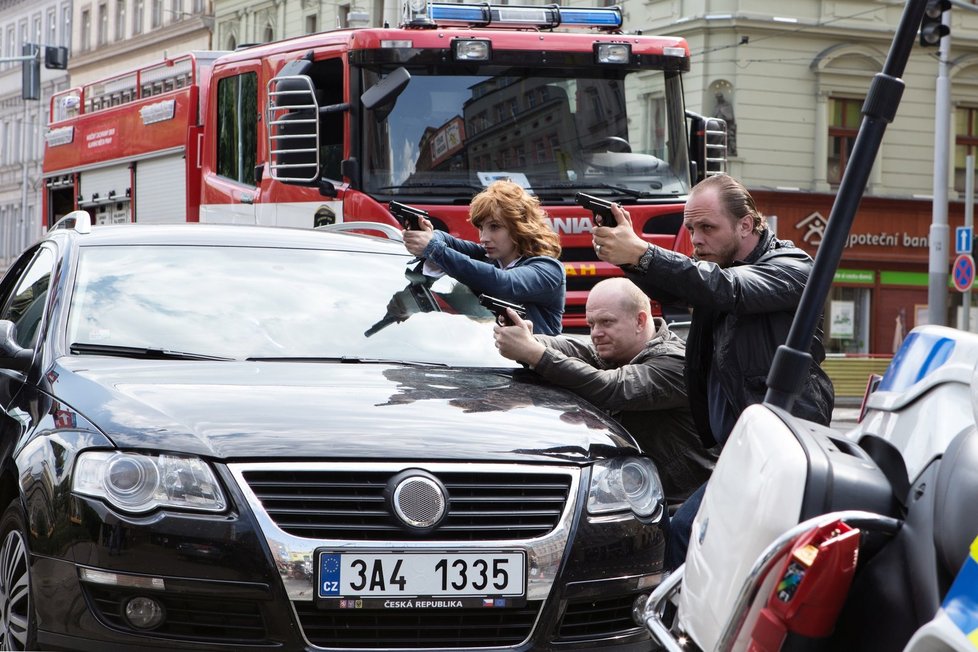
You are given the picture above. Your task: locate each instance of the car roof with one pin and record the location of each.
(231, 235)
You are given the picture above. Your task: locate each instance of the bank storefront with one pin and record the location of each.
(880, 288)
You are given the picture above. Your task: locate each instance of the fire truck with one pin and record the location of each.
(330, 127)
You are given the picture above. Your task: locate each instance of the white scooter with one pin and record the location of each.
(809, 539)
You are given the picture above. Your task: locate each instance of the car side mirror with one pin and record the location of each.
(13, 355)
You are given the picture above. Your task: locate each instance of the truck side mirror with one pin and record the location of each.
(293, 130)
(380, 97)
(326, 188)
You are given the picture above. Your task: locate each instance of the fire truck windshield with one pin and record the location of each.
(448, 136)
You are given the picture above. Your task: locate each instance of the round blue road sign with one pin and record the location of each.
(963, 272)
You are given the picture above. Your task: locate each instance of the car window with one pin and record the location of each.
(265, 302)
(26, 305)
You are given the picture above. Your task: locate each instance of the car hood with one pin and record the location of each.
(288, 410)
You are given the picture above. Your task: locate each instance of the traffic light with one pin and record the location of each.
(55, 57)
(31, 72)
(932, 27)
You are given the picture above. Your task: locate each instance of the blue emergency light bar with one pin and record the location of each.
(516, 16)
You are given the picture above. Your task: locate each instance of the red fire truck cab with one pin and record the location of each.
(330, 127)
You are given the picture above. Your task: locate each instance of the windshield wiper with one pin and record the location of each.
(140, 352)
(346, 359)
(434, 184)
(630, 192)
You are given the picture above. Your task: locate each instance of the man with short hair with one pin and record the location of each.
(633, 369)
(744, 285)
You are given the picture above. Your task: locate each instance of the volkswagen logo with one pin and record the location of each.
(418, 499)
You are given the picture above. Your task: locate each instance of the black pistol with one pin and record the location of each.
(599, 207)
(498, 308)
(408, 216)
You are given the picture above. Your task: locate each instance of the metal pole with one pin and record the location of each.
(969, 220)
(938, 260)
(24, 225)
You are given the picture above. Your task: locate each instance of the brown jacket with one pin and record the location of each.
(647, 396)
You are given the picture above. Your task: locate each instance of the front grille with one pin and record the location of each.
(416, 628)
(345, 504)
(187, 617)
(597, 619)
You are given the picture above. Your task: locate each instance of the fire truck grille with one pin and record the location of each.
(351, 505)
(453, 629)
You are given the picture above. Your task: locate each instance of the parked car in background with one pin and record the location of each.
(269, 438)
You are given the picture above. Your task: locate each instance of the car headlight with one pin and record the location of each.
(625, 483)
(134, 482)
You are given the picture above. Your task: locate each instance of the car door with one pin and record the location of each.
(230, 186)
(24, 295)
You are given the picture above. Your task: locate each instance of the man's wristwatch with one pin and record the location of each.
(642, 266)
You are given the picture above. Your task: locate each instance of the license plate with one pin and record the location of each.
(482, 574)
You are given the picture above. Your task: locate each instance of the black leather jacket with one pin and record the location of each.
(741, 314)
(647, 396)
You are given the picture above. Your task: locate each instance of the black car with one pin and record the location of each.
(241, 437)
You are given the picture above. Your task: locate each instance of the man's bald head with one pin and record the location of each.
(619, 315)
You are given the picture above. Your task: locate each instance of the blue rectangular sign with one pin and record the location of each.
(962, 239)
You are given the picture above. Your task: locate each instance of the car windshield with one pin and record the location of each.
(283, 303)
(453, 134)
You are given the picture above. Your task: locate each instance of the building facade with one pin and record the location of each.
(239, 22)
(113, 36)
(22, 122)
(793, 76)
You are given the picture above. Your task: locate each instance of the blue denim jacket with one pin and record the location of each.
(537, 282)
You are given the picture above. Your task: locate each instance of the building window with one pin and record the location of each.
(595, 103)
(86, 30)
(847, 314)
(965, 143)
(157, 10)
(103, 24)
(844, 118)
(176, 10)
(66, 26)
(311, 24)
(137, 16)
(198, 6)
(52, 29)
(120, 19)
(269, 34)
(10, 46)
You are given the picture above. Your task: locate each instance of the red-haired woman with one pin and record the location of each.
(514, 260)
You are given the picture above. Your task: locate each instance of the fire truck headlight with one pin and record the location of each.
(619, 53)
(471, 49)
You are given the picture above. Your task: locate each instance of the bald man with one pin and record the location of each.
(633, 369)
